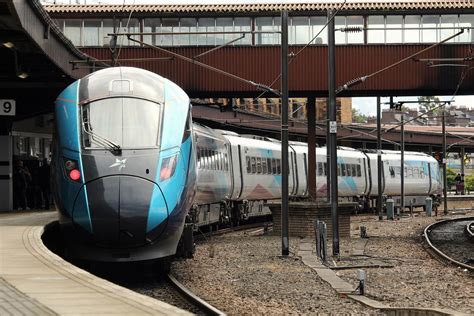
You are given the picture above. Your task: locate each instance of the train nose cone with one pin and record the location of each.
(119, 208)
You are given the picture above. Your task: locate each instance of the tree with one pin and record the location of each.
(358, 117)
(429, 103)
(469, 183)
(450, 177)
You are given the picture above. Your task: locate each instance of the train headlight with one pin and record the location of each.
(72, 169)
(168, 166)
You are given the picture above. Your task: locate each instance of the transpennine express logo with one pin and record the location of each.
(119, 163)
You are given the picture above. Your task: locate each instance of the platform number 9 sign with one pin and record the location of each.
(7, 107)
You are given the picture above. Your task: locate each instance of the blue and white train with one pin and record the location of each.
(130, 170)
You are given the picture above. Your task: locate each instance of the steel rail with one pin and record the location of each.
(439, 252)
(204, 306)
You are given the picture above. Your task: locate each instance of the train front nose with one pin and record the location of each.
(123, 209)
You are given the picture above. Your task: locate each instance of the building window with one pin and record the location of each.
(168, 25)
(468, 35)
(429, 34)
(317, 24)
(340, 22)
(357, 37)
(151, 26)
(187, 25)
(206, 25)
(394, 32)
(224, 25)
(92, 33)
(298, 30)
(72, 29)
(267, 24)
(245, 25)
(412, 29)
(376, 36)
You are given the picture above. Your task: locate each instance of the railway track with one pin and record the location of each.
(453, 240)
(150, 280)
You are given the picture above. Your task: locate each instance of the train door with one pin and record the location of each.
(293, 186)
(237, 172)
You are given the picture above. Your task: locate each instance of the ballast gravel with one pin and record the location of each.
(243, 272)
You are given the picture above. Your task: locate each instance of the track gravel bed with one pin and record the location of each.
(243, 273)
(417, 278)
(247, 276)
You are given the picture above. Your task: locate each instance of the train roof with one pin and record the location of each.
(125, 81)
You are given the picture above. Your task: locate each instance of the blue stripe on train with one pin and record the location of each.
(68, 124)
(171, 189)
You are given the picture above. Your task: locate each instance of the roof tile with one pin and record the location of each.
(262, 7)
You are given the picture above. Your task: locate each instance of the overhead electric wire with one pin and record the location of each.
(126, 27)
(198, 63)
(355, 81)
(293, 56)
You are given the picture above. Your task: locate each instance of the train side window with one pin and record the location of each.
(264, 166)
(406, 172)
(198, 157)
(392, 171)
(259, 165)
(422, 173)
(410, 172)
(278, 166)
(269, 165)
(343, 169)
(274, 166)
(320, 169)
(416, 172)
(203, 158)
(338, 169)
(248, 164)
(397, 171)
(354, 170)
(359, 171)
(253, 164)
(325, 168)
(211, 160)
(214, 160)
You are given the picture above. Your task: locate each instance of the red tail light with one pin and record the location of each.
(75, 175)
(72, 169)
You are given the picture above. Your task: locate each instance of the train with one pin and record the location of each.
(133, 176)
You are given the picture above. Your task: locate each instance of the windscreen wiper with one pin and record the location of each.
(100, 140)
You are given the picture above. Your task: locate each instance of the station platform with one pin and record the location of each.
(35, 281)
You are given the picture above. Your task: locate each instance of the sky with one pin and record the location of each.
(368, 105)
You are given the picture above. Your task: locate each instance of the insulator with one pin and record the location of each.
(352, 29)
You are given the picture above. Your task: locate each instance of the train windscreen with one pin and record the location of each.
(125, 122)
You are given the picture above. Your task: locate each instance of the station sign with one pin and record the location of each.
(332, 127)
(7, 107)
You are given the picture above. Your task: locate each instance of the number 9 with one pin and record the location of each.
(7, 107)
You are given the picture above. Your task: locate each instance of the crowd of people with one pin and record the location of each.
(31, 188)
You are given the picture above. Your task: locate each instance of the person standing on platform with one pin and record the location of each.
(458, 180)
(21, 178)
(44, 182)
